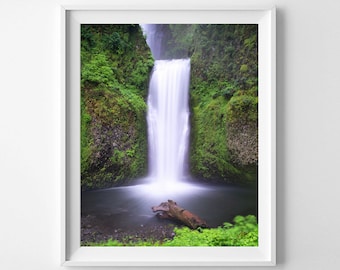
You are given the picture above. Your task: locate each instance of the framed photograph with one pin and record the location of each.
(168, 135)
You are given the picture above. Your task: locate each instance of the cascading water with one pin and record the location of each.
(168, 120)
(154, 39)
(168, 113)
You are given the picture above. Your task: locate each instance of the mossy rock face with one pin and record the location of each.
(209, 154)
(224, 138)
(242, 126)
(116, 137)
(223, 116)
(116, 64)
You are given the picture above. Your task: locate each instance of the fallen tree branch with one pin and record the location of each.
(171, 210)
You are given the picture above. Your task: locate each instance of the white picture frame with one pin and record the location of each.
(72, 254)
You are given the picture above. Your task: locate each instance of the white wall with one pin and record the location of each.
(308, 128)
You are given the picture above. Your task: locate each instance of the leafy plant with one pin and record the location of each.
(97, 70)
(244, 232)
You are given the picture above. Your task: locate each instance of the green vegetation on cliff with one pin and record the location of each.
(115, 67)
(224, 77)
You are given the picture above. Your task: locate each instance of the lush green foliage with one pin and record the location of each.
(223, 97)
(209, 153)
(244, 232)
(115, 67)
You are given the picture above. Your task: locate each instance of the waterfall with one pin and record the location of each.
(168, 120)
(168, 113)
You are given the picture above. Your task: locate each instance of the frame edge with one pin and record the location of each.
(273, 131)
(63, 259)
(63, 135)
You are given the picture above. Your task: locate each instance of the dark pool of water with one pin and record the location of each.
(129, 208)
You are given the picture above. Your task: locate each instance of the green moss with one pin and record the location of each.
(242, 107)
(244, 68)
(209, 157)
(224, 61)
(242, 114)
(116, 63)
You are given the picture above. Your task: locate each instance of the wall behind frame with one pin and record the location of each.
(308, 149)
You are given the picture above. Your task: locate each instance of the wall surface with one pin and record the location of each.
(308, 131)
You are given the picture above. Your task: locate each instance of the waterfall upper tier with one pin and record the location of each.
(154, 39)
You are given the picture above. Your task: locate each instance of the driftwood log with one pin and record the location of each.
(171, 210)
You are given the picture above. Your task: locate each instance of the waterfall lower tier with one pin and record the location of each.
(168, 120)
